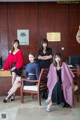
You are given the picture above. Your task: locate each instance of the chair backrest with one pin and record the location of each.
(76, 79)
(76, 87)
(75, 71)
(42, 84)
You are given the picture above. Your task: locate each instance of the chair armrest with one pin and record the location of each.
(24, 79)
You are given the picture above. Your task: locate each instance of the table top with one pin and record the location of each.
(5, 73)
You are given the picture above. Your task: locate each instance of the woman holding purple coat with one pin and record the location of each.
(60, 83)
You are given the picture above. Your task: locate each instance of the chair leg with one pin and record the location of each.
(32, 95)
(78, 97)
(22, 96)
(39, 99)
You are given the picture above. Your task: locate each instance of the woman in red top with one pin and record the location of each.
(14, 62)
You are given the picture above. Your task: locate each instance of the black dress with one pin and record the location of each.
(17, 71)
(44, 63)
(57, 93)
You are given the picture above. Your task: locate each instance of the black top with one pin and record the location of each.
(32, 68)
(57, 92)
(59, 75)
(44, 63)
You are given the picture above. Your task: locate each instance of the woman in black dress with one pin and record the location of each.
(44, 55)
(44, 58)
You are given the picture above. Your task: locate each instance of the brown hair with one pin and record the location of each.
(32, 53)
(12, 49)
(44, 41)
(54, 62)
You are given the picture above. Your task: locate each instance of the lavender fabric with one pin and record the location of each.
(67, 81)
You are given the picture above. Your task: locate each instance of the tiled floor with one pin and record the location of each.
(30, 110)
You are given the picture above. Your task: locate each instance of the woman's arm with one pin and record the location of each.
(47, 57)
(8, 62)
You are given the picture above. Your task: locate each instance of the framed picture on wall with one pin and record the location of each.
(54, 36)
(23, 36)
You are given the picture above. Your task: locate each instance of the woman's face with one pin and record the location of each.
(31, 58)
(44, 45)
(15, 45)
(57, 59)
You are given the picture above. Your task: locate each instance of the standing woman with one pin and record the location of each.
(44, 55)
(44, 59)
(60, 83)
(14, 61)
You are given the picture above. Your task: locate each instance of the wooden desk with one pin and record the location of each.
(6, 82)
(5, 73)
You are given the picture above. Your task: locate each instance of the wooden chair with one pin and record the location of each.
(76, 83)
(35, 89)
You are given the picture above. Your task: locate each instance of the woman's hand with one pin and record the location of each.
(28, 78)
(39, 57)
(13, 68)
(2, 69)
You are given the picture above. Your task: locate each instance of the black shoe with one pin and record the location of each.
(58, 103)
(5, 101)
(66, 105)
(44, 95)
(12, 99)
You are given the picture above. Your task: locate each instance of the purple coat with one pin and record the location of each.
(67, 80)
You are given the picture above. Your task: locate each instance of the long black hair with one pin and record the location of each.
(59, 55)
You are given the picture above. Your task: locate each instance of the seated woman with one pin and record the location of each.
(12, 91)
(15, 63)
(32, 73)
(32, 70)
(60, 83)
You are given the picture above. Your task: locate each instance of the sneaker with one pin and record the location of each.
(48, 109)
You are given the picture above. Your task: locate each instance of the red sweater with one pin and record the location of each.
(18, 58)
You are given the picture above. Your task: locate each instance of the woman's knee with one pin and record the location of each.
(13, 75)
(18, 85)
(18, 78)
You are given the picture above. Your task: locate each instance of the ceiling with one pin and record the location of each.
(35, 0)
